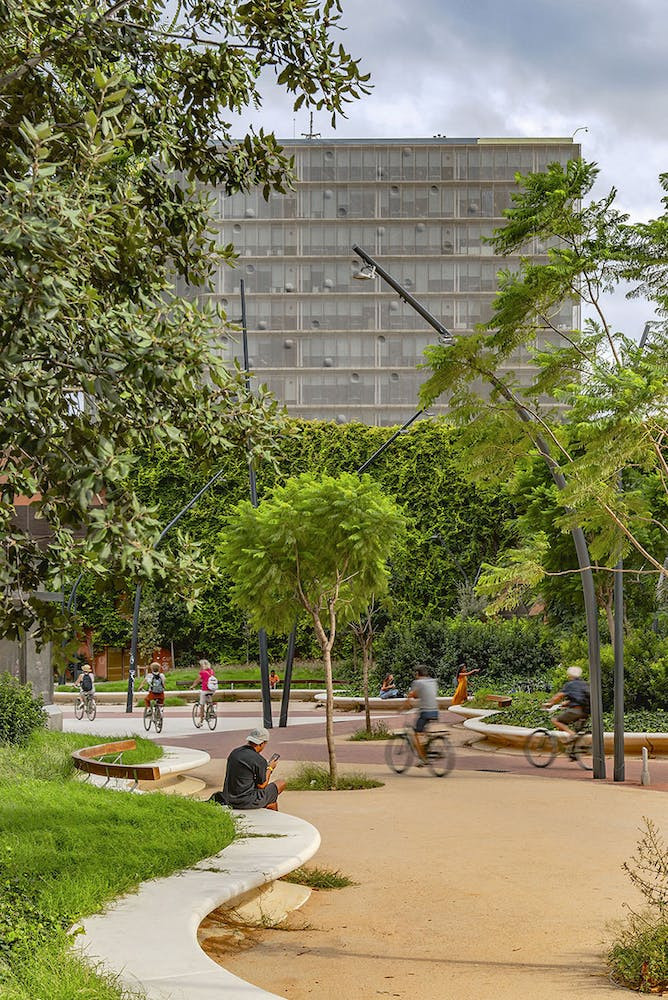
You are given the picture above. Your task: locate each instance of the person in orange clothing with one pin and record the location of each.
(461, 691)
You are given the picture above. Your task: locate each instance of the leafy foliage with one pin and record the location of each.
(614, 390)
(638, 958)
(116, 120)
(452, 528)
(20, 713)
(315, 545)
(506, 653)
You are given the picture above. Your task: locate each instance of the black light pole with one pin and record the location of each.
(262, 635)
(135, 616)
(584, 562)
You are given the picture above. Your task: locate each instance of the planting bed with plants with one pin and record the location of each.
(68, 848)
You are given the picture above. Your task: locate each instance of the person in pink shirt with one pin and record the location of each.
(206, 686)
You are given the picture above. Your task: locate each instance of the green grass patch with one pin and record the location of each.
(68, 848)
(47, 756)
(378, 731)
(319, 878)
(315, 778)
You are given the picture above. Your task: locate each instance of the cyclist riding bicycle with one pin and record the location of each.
(86, 682)
(425, 693)
(155, 679)
(208, 683)
(575, 694)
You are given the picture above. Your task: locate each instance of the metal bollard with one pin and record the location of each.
(644, 774)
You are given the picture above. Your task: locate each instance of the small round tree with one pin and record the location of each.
(316, 545)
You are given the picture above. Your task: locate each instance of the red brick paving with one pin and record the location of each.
(294, 743)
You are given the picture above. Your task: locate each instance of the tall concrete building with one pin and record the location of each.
(332, 347)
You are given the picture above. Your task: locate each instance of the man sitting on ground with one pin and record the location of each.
(247, 784)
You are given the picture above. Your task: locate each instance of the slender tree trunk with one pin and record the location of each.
(365, 687)
(331, 749)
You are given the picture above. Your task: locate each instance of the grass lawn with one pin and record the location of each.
(68, 848)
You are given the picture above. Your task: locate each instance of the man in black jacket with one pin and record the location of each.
(247, 784)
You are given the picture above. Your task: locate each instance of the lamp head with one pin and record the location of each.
(365, 273)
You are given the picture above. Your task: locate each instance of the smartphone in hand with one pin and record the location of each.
(274, 757)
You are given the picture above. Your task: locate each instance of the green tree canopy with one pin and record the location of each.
(611, 390)
(316, 545)
(115, 121)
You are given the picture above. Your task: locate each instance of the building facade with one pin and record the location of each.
(332, 347)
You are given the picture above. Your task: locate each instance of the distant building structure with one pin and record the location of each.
(331, 347)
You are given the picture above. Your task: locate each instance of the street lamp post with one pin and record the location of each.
(581, 548)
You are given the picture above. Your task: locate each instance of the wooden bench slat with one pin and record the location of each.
(85, 760)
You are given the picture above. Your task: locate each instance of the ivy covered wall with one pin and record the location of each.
(453, 528)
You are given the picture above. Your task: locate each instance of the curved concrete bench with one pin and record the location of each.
(171, 909)
(162, 774)
(351, 703)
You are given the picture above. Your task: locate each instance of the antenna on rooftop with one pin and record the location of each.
(311, 134)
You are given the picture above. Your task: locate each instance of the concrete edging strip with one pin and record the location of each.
(150, 938)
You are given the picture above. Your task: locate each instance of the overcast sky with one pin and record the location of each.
(513, 68)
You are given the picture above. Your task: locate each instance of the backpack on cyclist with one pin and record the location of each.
(86, 683)
(212, 683)
(156, 685)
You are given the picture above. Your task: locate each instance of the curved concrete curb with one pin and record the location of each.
(515, 736)
(222, 694)
(169, 910)
(354, 704)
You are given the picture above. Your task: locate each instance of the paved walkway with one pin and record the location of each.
(303, 739)
(495, 883)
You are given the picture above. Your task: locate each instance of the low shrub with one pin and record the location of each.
(638, 958)
(378, 731)
(316, 778)
(20, 712)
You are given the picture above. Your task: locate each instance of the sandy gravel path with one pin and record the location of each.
(480, 886)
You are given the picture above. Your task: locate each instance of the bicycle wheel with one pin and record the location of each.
(440, 755)
(541, 747)
(79, 708)
(197, 719)
(582, 752)
(158, 717)
(398, 753)
(211, 717)
(148, 716)
(91, 709)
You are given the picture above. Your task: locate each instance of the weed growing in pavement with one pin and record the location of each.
(638, 957)
(319, 878)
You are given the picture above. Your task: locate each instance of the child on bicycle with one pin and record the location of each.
(575, 694)
(155, 679)
(86, 682)
(208, 685)
(425, 693)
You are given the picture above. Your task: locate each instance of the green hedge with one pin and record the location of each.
(508, 653)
